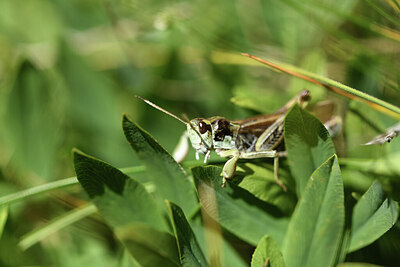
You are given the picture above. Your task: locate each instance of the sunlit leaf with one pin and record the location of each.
(316, 228)
(261, 183)
(167, 175)
(308, 145)
(267, 254)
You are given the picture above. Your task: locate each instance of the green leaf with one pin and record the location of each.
(129, 209)
(149, 247)
(261, 183)
(373, 215)
(315, 230)
(120, 199)
(168, 176)
(3, 217)
(267, 251)
(236, 209)
(308, 145)
(189, 250)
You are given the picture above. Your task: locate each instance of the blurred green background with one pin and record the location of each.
(69, 69)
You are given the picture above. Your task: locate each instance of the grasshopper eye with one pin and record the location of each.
(202, 127)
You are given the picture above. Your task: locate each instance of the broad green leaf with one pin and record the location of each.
(308, 145)
(261, 183)
(3, 217)
(373, 215)
(120, 199)
(236, 209)
(189, 250)
(267, 251)
(129, 209)
(315, 230)
(168, 176)
(149, 247)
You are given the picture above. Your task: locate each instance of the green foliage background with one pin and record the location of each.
(69, 69)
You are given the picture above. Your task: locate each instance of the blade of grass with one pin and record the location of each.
(3, 218)
(33, 191)
(395, 4)
(334, 86)
(383, 13)
(37, 190)
(44, 188)
(55, 225)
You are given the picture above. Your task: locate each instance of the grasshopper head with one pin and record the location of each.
(200, 135)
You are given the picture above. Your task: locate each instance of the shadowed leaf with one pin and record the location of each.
(129, 209)
(120, 199)
(237, 210)
(373, 215)
(149, 247)
(189, 250)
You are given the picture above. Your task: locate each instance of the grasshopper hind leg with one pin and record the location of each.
(276, 173)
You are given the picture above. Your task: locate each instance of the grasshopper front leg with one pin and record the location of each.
(230, 166)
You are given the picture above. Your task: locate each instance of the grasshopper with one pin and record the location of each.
(250, 138)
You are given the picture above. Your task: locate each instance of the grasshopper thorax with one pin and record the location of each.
(214, 133)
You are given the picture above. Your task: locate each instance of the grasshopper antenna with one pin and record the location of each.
(161, 109)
